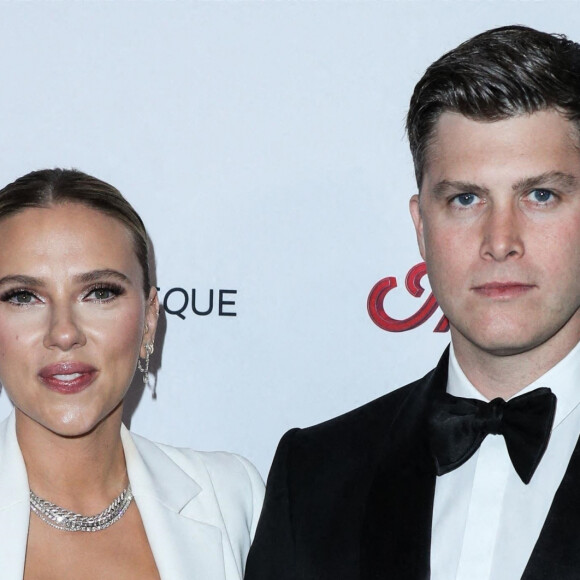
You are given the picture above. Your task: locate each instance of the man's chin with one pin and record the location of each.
(502, 343)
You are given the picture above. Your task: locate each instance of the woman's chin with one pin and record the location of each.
(72, 423)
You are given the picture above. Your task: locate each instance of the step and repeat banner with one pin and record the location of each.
(263, 144)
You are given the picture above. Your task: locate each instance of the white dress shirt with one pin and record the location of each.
(486, 521)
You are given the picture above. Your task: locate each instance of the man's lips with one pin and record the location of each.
(503, 289)
(67, 377)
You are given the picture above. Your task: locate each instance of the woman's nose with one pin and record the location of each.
(64, 331)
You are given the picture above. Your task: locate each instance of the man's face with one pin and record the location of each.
(498, 224)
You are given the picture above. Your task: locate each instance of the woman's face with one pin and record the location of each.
(73, 317)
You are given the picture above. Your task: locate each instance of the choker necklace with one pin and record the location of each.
(62, 519)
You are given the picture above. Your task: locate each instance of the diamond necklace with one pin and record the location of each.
(62, 519)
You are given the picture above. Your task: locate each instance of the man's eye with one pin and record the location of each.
(540, 195)
(465, 199)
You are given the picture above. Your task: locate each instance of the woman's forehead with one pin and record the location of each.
(65, 233)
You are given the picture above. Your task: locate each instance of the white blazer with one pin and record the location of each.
(199, 510)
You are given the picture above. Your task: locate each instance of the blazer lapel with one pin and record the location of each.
(396, 536)
(557, 551)
(179, 516)
(14, 503)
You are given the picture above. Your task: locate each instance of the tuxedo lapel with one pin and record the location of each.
(180, 516)
(396, 534)
(557, 551)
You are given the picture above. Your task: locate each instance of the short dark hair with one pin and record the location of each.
(49, 187)
(496, 75)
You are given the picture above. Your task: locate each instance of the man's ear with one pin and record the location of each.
(151, 317)
(415, 209)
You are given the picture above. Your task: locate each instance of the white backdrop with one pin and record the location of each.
(263, 145)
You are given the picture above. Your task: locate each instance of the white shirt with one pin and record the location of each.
(486, 521)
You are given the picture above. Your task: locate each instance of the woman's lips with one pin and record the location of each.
(503, 289)
(67, 377)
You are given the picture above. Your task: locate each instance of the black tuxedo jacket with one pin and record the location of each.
(352, 499)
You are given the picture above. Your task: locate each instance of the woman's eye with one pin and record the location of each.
(21, 297)
(465, 199)
(102, 293)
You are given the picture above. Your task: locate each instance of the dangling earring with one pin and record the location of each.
(145, 368)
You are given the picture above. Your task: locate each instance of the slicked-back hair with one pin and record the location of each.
(498, 74)
(51, 187)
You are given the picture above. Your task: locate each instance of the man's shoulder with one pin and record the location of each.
(359, 431)
(380, 411)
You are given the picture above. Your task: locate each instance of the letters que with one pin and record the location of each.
(376, 301)
(178, 301)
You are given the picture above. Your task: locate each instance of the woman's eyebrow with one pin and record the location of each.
(85, 278)
(96, 275)
(22, 280)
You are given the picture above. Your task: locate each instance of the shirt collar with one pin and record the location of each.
(563, 379)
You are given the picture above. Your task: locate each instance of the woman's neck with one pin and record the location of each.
(82, 474)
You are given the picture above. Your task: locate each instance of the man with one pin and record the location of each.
(419, 484)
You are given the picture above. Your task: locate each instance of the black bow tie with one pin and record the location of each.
(458, 426)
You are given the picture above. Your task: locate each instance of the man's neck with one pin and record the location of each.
(505, 375)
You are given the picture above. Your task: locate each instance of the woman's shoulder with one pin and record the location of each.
(232, 478)
(225, 469)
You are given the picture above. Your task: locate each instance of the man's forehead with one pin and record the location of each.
(453, 123)
(464, 149)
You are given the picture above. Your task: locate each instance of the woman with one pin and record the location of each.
(76, 312)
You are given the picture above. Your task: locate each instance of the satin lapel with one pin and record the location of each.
(557, 551)
(396, 537)
(14, 504)
(180, 517)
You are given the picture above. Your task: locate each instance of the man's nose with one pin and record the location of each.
(501, 235)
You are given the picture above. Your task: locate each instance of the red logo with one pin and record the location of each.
(376, 301)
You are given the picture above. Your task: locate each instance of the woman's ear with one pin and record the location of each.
(151, 317)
